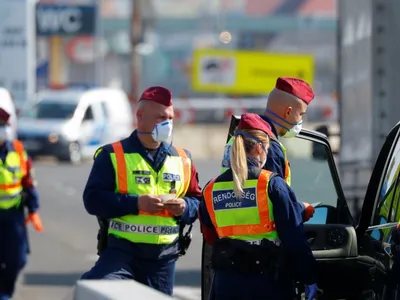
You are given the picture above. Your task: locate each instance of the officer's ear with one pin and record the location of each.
(258, 148)
(139, 114)
(288, 111)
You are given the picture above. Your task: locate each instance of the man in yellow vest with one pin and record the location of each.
(286, 106)
(129, 185)
(15, 181)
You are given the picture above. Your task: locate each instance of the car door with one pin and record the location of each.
(381, 209)
(331, 231)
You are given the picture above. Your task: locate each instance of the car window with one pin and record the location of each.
(388, 206)
(311, 178)
(50, 110)
(88, 114)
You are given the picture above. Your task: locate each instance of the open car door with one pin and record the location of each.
(381, 208)
(331, 233)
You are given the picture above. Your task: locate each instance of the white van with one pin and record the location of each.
(7, 104)
(71, 125)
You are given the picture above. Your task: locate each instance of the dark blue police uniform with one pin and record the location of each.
(289, 223)
(152, 265)
(275, 156)
(13, 233)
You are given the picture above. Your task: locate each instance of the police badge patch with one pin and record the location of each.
(169, 177)
(142, 180)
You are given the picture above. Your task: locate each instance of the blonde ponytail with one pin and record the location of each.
(239, 165)
(240, 148)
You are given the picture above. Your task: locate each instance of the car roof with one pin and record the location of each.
(74, 96)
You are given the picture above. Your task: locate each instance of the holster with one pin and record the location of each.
(102, 235)
(184, 239)
(239, 256)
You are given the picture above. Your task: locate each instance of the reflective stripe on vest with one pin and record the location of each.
(287, 175)
(11, 174)
(135, 176)
(249, 218)
(226, 160)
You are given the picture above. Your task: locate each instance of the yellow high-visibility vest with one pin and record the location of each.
(12, 170)
(159, 228)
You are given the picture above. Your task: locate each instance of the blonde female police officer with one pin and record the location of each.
(252, 219)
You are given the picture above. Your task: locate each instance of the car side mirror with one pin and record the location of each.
(320, 216)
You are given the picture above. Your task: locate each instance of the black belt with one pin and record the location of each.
(239, 256)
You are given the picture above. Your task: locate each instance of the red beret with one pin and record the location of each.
(4, 116)
(254, 122)
(157, 94)
(296, 87)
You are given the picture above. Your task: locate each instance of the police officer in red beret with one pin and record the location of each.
(17, 191)
(286, 106)
(146, 189)
(258, 224)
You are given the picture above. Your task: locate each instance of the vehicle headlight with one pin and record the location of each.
(53, 138)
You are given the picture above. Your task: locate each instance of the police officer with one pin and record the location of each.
(286, 106)
(127, 184)
(15, 181)
(255, 224)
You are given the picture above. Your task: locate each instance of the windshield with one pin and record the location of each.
(50, 110)
(311, 177)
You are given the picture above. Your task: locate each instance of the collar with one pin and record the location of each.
(164, 147)
(251, 163)
(266, 119)
(5, 147)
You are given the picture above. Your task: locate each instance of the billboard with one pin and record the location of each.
(246, 72)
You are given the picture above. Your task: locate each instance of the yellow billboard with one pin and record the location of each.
(246, 72)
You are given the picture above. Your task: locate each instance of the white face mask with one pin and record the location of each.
(5, 133)
(294, 131)
(162, 131)
(265, 159)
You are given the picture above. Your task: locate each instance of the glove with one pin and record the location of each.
(311, 291)
(308, 211)
(34, 218)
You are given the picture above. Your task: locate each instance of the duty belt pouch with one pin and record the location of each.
(238, 256)
(102, 235)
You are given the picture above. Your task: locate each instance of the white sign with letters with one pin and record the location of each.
(17, 48)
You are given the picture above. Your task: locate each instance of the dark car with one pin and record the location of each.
(353, 257)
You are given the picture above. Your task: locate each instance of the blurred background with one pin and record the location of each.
(134, 44)
(71, 73)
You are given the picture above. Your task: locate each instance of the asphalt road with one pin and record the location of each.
(67, 247)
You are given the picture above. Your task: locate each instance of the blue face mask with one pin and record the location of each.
(294, 129)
